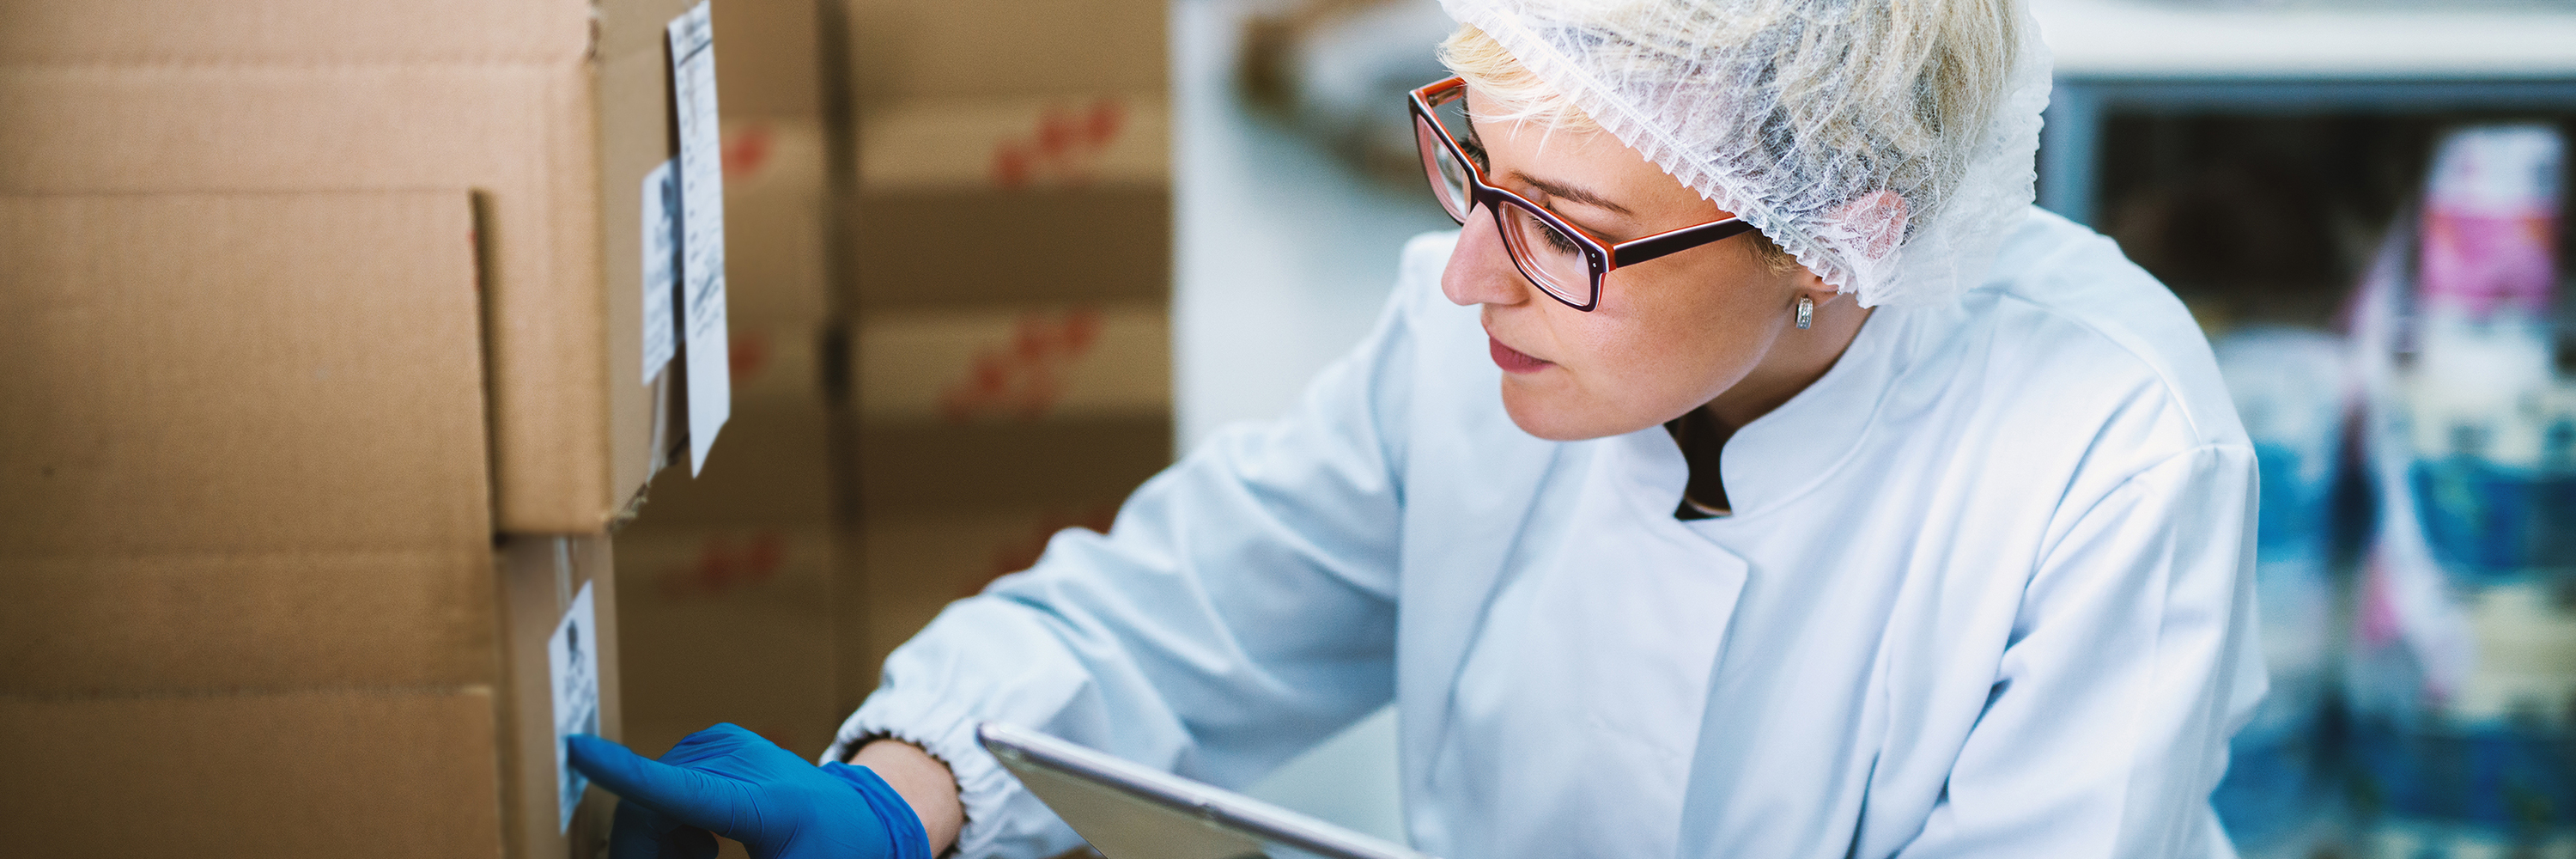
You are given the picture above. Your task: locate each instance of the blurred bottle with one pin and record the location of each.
(2463, 679)
(2481, 404)
(2289, 387)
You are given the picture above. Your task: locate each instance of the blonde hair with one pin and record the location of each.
(1947, 60)
(1508, 89)
(1512, 94)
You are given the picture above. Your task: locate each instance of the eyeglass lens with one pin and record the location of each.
(1448, 177)
(1550, 258)
(1546, 255)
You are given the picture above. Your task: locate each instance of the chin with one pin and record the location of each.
(1559, 415)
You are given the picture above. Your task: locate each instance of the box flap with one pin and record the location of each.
(116, 623)
(240, 373)
(294, 31)
(324, 773)
(539, 578)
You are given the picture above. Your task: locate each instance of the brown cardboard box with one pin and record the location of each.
(775, 202)
(728, 613)
(246, 558)
(727, 625)
(1001, 364)
(1008, 274)
(974, 407)
(540, 577)
(771, 467)
(907, 49)
(330, 772)
(341, 768)
(773, 69)
(918, 563)
(551, 111)
(1014, 200)
(210, 481)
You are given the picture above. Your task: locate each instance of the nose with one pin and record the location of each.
(1480, 271)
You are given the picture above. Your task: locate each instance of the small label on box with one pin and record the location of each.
(661, 268)
(572, 666)
(693, 102)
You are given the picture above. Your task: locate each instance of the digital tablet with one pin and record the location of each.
(1129, 811)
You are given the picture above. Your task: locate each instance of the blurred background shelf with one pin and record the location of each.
(2250, 154)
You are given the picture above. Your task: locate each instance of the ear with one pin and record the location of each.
(1812, 286)
(1877, 219)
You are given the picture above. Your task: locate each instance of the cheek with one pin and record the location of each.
(1656, 350)
(1691, 338)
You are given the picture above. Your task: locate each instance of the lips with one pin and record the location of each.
(1512, 360)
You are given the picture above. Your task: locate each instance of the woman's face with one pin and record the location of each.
(1669, 334)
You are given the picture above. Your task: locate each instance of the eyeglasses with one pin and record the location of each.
(1566, 262)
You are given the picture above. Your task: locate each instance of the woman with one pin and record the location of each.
(1911, 522)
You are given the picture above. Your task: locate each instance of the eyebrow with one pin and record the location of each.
(1476, 141)
(1569, 192)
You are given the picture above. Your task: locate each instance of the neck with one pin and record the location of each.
(1796, 360)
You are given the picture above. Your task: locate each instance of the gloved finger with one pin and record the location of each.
(685, 795)
(642, 833)
(718, 740)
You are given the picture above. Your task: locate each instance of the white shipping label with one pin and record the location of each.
(661, 268)
(693, 101)
(572, 666)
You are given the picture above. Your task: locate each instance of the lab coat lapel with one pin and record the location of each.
(1668, 591)
(1692, 606)
(1667, 596)
(1482, 491)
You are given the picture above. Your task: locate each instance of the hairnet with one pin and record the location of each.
(1886, 144)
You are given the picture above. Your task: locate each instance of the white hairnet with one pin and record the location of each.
(1886, 144)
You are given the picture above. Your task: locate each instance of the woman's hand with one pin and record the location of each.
(731, 782)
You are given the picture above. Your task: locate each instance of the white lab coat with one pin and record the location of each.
(1987, 593)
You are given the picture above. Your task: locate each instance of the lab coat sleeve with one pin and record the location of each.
(1240, 609)
(2132, 660)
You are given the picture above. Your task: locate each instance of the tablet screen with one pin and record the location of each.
(1130, 812)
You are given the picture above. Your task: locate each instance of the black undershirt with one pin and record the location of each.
(1702, 438)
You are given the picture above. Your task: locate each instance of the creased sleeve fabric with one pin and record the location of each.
(2132, 660)
(1240, 609)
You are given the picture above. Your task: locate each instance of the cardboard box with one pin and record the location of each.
(771, 68)
(1049, 406)
(550, 111)
(209, 480)
(540, 578)
(345, 766)
(905, 49)
(772, 466)
(246, 558)
(776, 199)
(344, 772)
(989, 364)
(728, 625)
(918, 563)
(1014, 200)
(1009, 274)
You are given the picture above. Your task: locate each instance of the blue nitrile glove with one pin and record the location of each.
(733, 783)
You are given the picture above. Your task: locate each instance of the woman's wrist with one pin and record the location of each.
(923, 781)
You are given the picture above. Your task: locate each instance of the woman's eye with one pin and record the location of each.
(1557, 241)
(1475, 150)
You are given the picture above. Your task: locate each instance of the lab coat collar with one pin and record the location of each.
(1794, 448)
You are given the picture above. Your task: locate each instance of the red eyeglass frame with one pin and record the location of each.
(1603, 257)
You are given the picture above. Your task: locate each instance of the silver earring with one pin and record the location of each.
(1806, 312)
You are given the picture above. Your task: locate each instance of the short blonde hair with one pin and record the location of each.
(1512, 94)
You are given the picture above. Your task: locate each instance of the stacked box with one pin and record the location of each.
(727, 613)
(253, 595)
(728, 610)
(325, 336)
(1009, 295)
